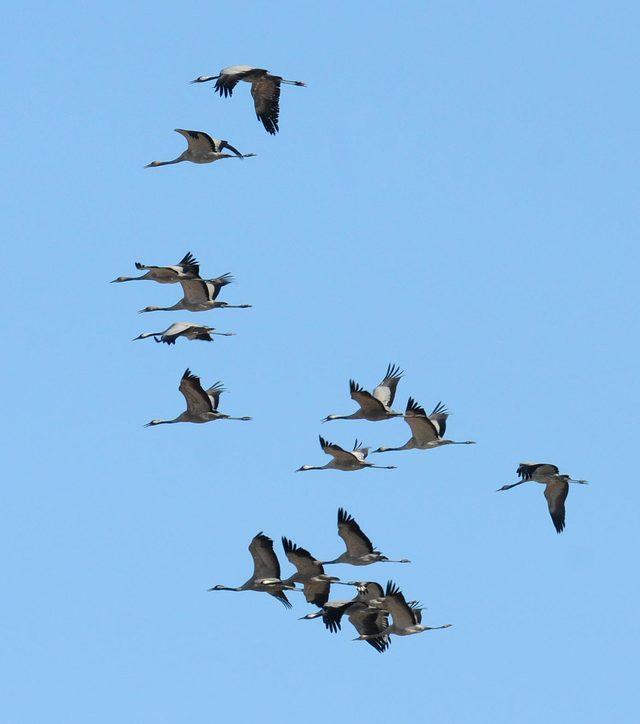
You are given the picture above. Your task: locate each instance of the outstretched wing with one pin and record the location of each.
(197, 399)
(189, 264)
(365, 399)
(200, 143)
(336, 451)
(354, 539)
(230, 77)
(195, 291)
(385, 392)
(215, 285)
(265, 561)
(370, 622)
(423, 428)
(215, 391)
(529, 471)
(556, 493)
(304, 562)
(266, 100)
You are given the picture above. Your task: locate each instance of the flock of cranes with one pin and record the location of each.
(368, 611)
(376, 612)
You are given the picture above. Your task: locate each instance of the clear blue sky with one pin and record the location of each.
(456, 191)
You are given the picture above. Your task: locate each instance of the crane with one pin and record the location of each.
(186, 268)
(406, 620)
(265, 89)
(202, 406)
(360, 550)
(377, 405)
(368, 621)
(343, 459)
(266, 572)
(201, 148)
(200, 295)
(309, 572)
(188, 330)
(555, 491)
(427, 430)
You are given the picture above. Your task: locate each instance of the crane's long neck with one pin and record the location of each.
(153, 423)
(145, 335)
(354, 416)
(512, 485)
(174, 308)
(182, 157)
(131, 279)
(225, 588)
(409, 445)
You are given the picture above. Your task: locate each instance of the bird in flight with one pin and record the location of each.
(202, 148)
(555, 491)
(265, 89)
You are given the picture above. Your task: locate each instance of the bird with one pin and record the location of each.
(186, 268)
(187, 330)
(377, 405)
(555, 491)
(367, 621)
(265, 89)
(309, 572)
(199, 295)
(202, 406)
(360, 550)
(344, 459)
(406, 620)
(427, 430)
(266, 572)
(202, 148)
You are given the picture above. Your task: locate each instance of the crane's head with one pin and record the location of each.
(303, 468)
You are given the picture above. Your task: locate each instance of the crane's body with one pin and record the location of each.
(186, 268)
(427, 430)
(200, 295)
(265, 90)
(202, 406)
(556, 487)
(406, 619)
(187, 330)
(201, 148)
(359, 549)
(373, 406)
(345, 460)
(368, 621)
(266, 572)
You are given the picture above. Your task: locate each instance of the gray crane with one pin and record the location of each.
(200, 295)
(406, 620)
(347, 460)
(360, 550)
(266, 572)
(555, 491)
(427, 430)
(202, 406)
(265, 89)
(376, 405)
(309, 572)
(188, 330)
(201, 148)
(368, 621)
(186, 268)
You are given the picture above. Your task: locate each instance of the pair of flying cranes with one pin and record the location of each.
(265, 89)
(368, 612)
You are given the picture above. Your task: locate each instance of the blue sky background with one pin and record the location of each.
(455, 191)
